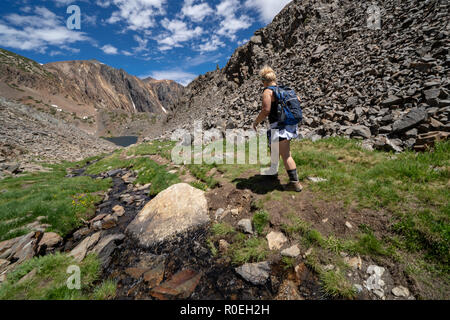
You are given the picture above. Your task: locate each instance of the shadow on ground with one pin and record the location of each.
(259, 184)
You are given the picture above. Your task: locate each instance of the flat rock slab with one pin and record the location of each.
(172, 211)
(80, 251)
(180, 286)
(256, 273)
(106, 246)
(410, 120)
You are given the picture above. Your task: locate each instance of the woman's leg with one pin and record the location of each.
(285, 153)
(291, 167)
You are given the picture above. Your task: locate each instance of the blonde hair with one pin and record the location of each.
(267, 74)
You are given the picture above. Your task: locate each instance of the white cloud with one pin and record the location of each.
(109, 49)
(230, 23)
(178, 32)
(211, 45)
(179, 76)
(196, 12)
(142, 44)
(38, 31)
(267, 9)
(137, 14)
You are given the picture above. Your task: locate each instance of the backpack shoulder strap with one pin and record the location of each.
(275, 90)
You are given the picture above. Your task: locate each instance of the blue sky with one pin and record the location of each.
(163, 39)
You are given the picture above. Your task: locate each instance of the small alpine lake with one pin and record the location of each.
(124, 141)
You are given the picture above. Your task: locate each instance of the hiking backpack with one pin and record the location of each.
(289, 108)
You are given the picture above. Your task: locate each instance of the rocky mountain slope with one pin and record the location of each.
(83, 89)
(168, 91)
(28, 135)
(385, 86)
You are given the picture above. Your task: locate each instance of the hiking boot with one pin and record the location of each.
(293, 186)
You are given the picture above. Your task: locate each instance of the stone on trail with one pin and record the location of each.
(288, 292)
(256, 273)
(223, 245)
(118, 211)
(180, 286)
(49, 241)
(317, 179)
(174, 210)
(292, 252)
(245, 225)
(400, 291)
(354, 263)
(155, 276)
(276, 240)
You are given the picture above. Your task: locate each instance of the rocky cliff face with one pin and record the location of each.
(92, 82)
(168, 91)
(386, 86)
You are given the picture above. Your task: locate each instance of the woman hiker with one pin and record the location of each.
(282, 137)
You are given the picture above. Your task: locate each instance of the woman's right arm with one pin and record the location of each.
(267, 105)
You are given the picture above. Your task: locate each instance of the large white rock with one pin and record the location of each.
(276, 240)
(172, 211)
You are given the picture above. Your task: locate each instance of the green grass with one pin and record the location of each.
(50, 280)
(212, 248)
(260, 221)
(149, 171)
(201, 173)
(162, 148)
(336, 285)
(222, 229)
(251, 250)
(413, 187)
(199, 185)
(62, 201)
(288, 262)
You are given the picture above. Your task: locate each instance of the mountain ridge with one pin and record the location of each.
(85, 89)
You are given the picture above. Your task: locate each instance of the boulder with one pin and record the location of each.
(361, 131)
(411, 120)
(245, 225)
(175, 210)
(256, 273)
